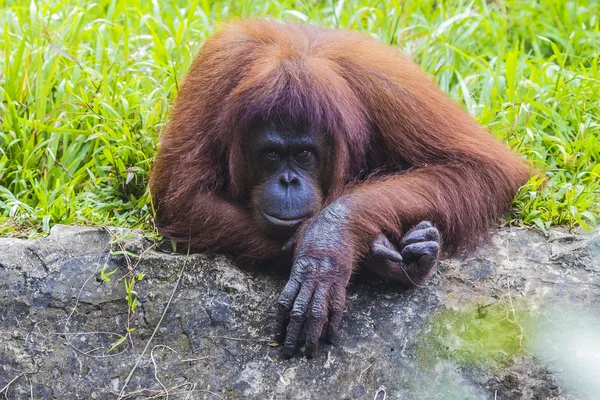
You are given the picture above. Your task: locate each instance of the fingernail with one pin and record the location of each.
(330, 338)
(288, 352)
(311, 350)
(279, 337)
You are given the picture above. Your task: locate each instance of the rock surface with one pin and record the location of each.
(58, 320)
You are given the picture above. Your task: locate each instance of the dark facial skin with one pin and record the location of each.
(287, 178)
(288, 167)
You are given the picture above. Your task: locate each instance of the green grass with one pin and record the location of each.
(86, 86)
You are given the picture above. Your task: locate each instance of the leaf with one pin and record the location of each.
(589, 216)
(117, 343)
(62, 52)
(105, 276)
(297, 14)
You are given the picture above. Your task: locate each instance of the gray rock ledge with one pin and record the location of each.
(518, 319)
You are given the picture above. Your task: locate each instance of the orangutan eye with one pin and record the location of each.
(273, 155)
(304, 154)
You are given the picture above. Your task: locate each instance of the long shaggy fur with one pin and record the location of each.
(379, 110)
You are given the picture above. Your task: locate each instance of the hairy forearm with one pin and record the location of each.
(462, 201)
(211, 223)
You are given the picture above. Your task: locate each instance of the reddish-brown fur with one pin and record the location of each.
(403, 151)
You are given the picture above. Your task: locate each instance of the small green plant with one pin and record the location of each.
(130, 279)
(105, 274)
(131, 295)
